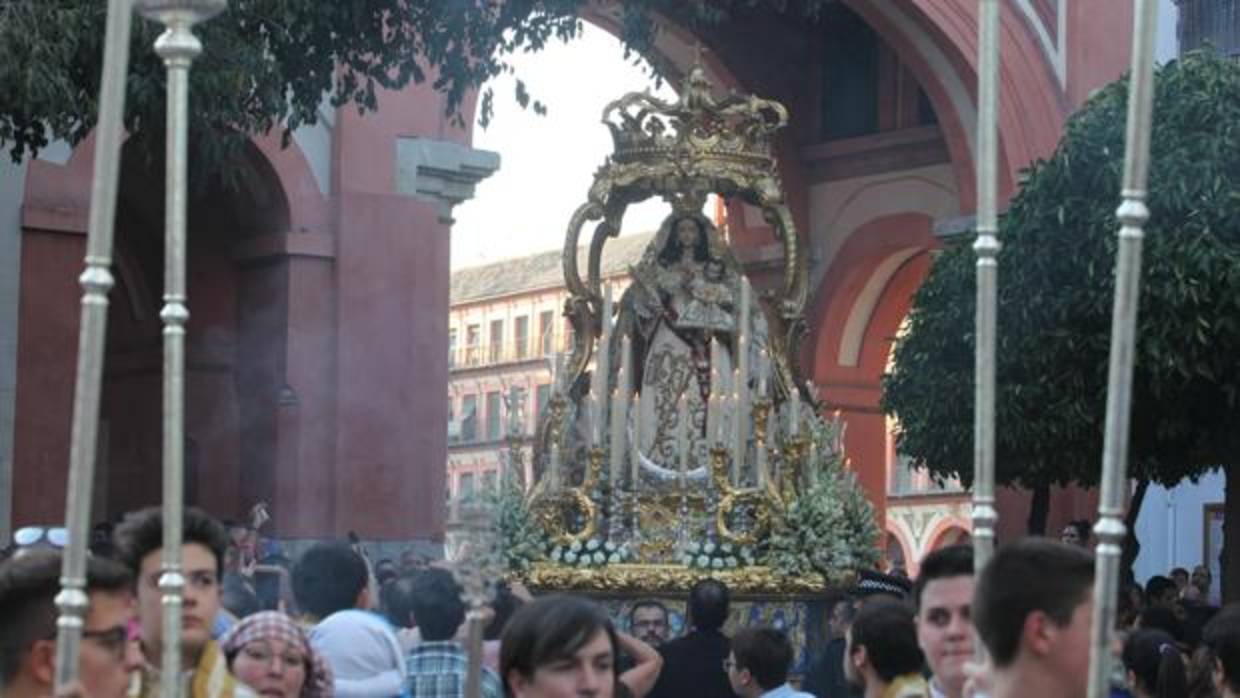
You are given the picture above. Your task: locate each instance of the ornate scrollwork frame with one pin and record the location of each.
(682, 152)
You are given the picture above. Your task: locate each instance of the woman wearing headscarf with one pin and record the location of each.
(272, 655)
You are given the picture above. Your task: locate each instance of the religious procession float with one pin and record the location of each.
(681, 440)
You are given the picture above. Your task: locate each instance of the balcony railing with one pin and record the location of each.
(493, 354)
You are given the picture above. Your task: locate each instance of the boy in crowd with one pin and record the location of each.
(1032, 609)
(107, 655)
(882, 657)
(943, 596)
(757, 666)
(139, 542)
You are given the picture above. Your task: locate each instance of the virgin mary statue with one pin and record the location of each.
(682, 313)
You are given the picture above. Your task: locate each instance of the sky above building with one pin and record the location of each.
(548, 162)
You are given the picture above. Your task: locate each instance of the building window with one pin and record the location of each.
(473, 341)
(497, 341)
(469, 418)
(452, 347)
(1209, 21)
(465, 486)
(493, 416)
(454, 429)
(541, 395)
(546, 332)
(850, 77)
(521, 337)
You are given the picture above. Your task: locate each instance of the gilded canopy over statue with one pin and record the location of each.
(672, 436)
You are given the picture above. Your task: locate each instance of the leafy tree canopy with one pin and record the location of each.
(270, 63)
(1056, 283)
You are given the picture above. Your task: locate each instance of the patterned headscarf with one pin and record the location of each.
(273, 625)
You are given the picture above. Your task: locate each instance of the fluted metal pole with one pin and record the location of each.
(1132, 214)
(987, 249)
(178, 47)
(96, 281)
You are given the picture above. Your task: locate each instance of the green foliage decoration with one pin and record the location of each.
(830, 529)
(522, 538)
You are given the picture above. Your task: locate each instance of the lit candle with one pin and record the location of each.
(682, 432)
(794, 410)
(553, 464)
(617, 437)
(602, 366)
(636, 450)
(735, 426)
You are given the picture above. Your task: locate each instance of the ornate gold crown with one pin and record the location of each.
(697, 135)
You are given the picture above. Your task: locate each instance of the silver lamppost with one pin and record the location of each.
(987, 249)
(1132, 214)
(178, 47)
(96, 281)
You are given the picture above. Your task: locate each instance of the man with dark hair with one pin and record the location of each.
(758, 664)
(330, 577)
(648, 622)
(943, 598)
(825, 678)
(438, 666)
(1161, 592)
(882, 656)
(1222, 638)
(1179, 575)
(1032, 610)
(693, 664)
(1076, 533)
(139, 542)
(396, 604)
(28, 586)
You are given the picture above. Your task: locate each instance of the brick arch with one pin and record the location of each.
(874, 255)
(55, 212)
(907, 545)
(942, 528)
(57, 196)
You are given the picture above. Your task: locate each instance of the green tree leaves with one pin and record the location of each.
(1056, 284)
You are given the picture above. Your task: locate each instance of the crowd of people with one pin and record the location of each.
(334, 624)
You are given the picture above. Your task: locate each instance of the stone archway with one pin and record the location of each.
(234, 342)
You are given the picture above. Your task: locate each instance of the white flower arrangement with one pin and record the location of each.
(716, 556)
(591, 553)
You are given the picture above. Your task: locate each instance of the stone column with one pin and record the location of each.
(393, 276)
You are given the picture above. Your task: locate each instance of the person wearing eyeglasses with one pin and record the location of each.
(109, 651)
(139, 540)
(757, 665)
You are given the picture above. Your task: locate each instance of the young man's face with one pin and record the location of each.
(200, 605)
(945, 630)
(108, 654)
(650, 625)
(1180, 579)
(588, 673)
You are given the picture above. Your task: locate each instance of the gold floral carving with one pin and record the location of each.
(666, 578)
